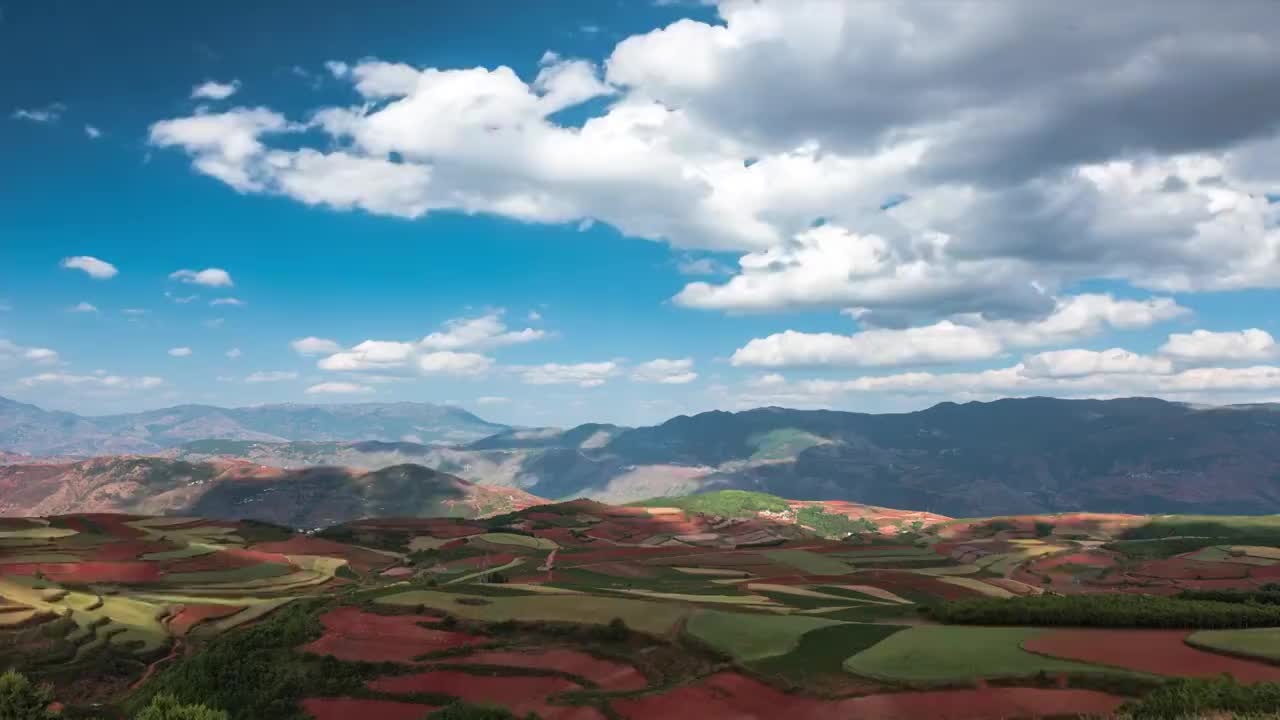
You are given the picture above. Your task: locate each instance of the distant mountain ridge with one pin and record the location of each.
(29, 429)
(1015, 456)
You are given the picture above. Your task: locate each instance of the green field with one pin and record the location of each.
(651, 617)
(1261, 643)
(823, 650)
(809, 563)
(932, 653)
(752, 637)
(729, 503)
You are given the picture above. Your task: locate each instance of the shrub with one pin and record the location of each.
(1197, 697)
(20, 699)
(616, 631)
(467, 711)
(166, 707)
(1043, 529)
(1107, 611)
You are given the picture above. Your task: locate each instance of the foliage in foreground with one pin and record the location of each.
(167, 707)
(20, 699)
(467, 711)
(1198, 697)
(1127, 611)
(254, 673)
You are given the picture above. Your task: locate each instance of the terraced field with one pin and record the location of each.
(584, 611)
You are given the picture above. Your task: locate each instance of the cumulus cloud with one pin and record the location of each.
(315, 346)
(92, 266)
(209, 277)
(180, 352)
(450, 351)
(338, 388)
(92, 132)
(213, 90)
(1097, 161)
(267, 376)
(581, 374)
(962, 339)
(1079, 363)
(1205, 345)
(83, 307)
(664, 371)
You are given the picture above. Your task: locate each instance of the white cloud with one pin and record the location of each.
(534, 316)
(1079, 363)
(1204, 345)
(214, 323)
(95, 380)
(666, 372)
(209, 277)
(233, 353)
(965, 338)
(83, 307)
(181, 299)
(481, 333)
(441, 352)
(338, 388)
(180, 352)
(47, 114)
(95, 268)
(337, 68)
(14, 354)
(92, 132)
(134, 312)
(235, 302)
(582, 374)
(446, 362)
(492, 400)
(213, 90)
(370, 355)
(315, 346)
(271, 376)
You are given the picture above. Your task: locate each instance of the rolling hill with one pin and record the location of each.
(233, 490)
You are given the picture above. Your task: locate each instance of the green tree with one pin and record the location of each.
(20, 699)
(167, 707)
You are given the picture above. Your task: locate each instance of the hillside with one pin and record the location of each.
(589, 611)
(232, 490)
(29, 429)
(1137, 455)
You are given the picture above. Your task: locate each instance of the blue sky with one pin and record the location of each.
(659, 208)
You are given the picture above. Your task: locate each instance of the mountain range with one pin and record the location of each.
(29, 429)
(1032, 455)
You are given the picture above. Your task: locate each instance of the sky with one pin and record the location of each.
(589, 210)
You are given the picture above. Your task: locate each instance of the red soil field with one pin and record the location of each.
(128, 550)
(107, 523)
(607, 674)
(230, 559)
(1155, 651)
(1080, 558)
(348, 708)
(562, 536)
(191, 615)
(359, 558)
(90, 572)
(730, 695)
(574, 559)
(397, 572)
(354, 635)
(520, 694)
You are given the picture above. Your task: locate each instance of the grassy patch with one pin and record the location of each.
(935, 654)
(810, 563)
(1261, 643)
(650, 617)
(824, 650)
(261, 571)
(752, 637)
(729, 503)
(1198, 698)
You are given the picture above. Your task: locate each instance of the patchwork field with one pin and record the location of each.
(586, 611)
